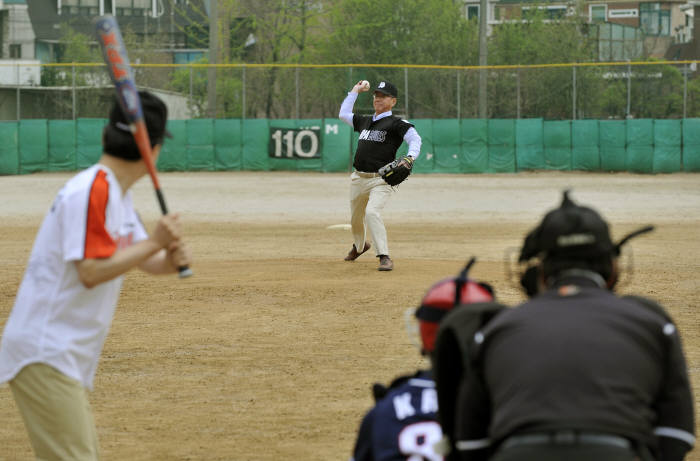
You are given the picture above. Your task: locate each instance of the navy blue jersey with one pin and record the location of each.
(403, 425)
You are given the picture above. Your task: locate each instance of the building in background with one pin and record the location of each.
(625, 30)
(32, 28)
(16, 33)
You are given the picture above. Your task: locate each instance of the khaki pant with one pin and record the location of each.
(368, 196)
(56, 413)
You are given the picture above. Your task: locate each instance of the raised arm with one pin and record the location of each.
(345, 113)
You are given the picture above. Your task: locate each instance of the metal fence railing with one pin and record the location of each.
(659, 90)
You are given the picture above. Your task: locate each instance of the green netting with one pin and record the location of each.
(33, 146)
(501, 138)
(447, 146)
(667, 146)
(475, 151)
(426, 159)
(557, 145)
(337, 136)
(640, 146)
(227, 144)
(691, 144)
(612, 145)
(62, 143)
(256, 133)
(173, 154)
(200, 144)
(529, 149)
(585, 145)
(9, 148)
(89, 137)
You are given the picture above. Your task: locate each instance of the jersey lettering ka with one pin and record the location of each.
(403, 425)
(55, 319)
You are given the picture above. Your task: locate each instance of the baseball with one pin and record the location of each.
(364, 84)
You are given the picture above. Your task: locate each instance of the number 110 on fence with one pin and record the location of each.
(295, 142)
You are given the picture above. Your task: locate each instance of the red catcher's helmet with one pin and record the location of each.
(444, 296)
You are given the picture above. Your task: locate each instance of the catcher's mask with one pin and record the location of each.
(444, 296)
(569, 236)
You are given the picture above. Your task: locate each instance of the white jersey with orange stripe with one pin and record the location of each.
(55, 319)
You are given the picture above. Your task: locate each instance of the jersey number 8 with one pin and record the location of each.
(417, 441)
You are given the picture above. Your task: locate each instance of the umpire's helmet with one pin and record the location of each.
(570, 231)
(444, 296)
(571, 236)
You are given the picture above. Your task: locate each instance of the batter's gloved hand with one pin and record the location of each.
(396, 172)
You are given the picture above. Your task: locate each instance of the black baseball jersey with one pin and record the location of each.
(402, 426)
(579, 357)
(379, 141)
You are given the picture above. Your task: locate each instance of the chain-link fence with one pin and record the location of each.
(659, 90)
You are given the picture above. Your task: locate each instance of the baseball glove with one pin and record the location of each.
(395, 173)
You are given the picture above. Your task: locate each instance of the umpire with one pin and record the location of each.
(576, 373)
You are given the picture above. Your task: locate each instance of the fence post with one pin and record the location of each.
(405, 84)
(517, 93)
(685, 88)
(191, 88)
(629, 87)
(243, 92)
(296, 93)
(459, 98)
(73, 91)
(17, 73)
(573, 93)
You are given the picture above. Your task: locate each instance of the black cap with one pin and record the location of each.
(570, 231)
(155, 112)
(387, 88)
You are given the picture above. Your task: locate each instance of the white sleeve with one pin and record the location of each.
(414, 142)
(346, 114)
(71, 216)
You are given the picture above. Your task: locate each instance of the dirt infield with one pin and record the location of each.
(269, 351)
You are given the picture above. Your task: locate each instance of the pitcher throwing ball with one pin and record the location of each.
(381, 135)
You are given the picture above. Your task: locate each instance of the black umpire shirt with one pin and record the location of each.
(578, 357)
(379, 141)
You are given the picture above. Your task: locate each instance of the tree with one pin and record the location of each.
(430, 32)
(538, 40)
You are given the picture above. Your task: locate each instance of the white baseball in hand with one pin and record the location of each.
(364, 84)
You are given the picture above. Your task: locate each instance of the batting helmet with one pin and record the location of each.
(444, 296)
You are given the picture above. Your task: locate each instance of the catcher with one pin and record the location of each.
(403, 424)
(376, 168)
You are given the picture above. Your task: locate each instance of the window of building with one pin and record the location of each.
(472, 11)
(597, 13)
(550, 12)
(15, 51)
(654, 20)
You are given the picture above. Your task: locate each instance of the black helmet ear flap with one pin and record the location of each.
(530, 246)
(529, 280)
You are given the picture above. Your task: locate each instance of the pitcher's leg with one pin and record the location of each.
(378, 198)
(358, 202)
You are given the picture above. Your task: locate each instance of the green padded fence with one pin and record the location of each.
(327, 145)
